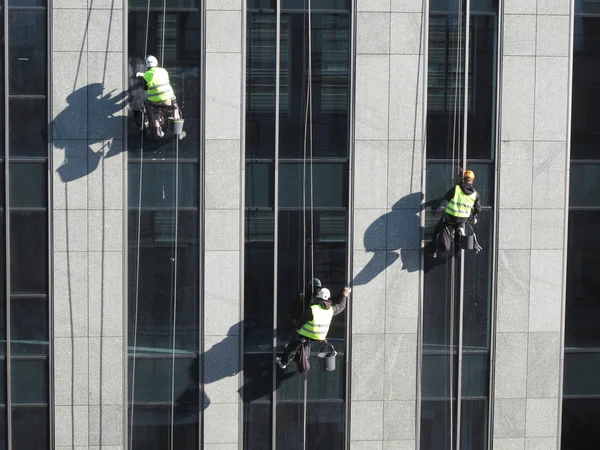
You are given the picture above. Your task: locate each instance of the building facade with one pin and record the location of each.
(147, 283)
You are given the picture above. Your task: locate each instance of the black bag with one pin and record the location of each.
(444, 240)
(302, 357)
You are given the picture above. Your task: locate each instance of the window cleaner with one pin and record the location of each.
(160, 95)
(463, 200)
(316, 321)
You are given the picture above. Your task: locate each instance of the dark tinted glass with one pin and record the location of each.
(153, 377)
(329, 181)
(29, 252)
(257, 425)
(581, 374)
(435, 424)
(28, 130)
(151, 428)
(30, 427)
(585, 185)
(29, 326)
(580, 418)
(2, 388)
(453, 5)
(585, 135)
(29, 379)
(474, 424)
(325, 426)
(27, 51)
(342, 5)
(158, 185)
(259, 185)
(28, 185)
(3, 441)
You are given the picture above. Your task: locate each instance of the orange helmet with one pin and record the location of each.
(469, 174)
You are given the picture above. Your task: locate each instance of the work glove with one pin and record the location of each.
(474, 220)
(139, 74)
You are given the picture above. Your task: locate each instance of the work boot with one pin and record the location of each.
(280, 363)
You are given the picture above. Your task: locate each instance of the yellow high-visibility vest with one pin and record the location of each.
(159, 87)
(461, 204)
(318, 327)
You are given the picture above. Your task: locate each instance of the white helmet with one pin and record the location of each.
(324, 294)
(151, 61)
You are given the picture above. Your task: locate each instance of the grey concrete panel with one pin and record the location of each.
(509, 444)
(70, 230)
(509, 418)
(546, 287)
(105, 98)
(222, 306)
(367, 421)
(106, 279)
(372, 88)
(69, 4)
(553, 35)
(399, 445)
(373, 5)
(105, 179)
(549, 166)
(222, 229)
(369, 270)
(547, 229)
(370, 229)
(69, 30)
(69, 91)
(551, 98)
(69, 160)
(541, 443)
(217, 40)
(367, 361)
(371, 162)
(520, 6)
(221, 366)
(404, 175)
(105, 4)
(106, 425)
(70, 371)
(542, 417)
(513, 291)
(553, 7)
(549, 157)
(517, 165)
(105, 30)
(70, 294)
(402, 290)
(514, 229)
(224, 5)
(406, 106)
(71, 426)
(215, 418)
(400, 366)
(222, 185)
(543, 365)
(106, 371)
(511, 365)
(367, 445)
(519, 35)
(105, 230)
(220, 447)
(406, 34)
(399, 420)
(403, 230)
(518, 94)
(407, 5)
(372, 33)
(223, 95)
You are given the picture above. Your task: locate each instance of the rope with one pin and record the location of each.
(164, 26)
(175, 249)
(138, 245)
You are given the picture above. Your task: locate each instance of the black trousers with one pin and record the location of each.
(447, 220)
(292, 348)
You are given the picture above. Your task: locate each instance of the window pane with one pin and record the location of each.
(435, 425)
(28, 185)
(581, 374)
(474, 424)
(30, 427)
(158, 185)
(325, 426)
(29, 326)
(259, 185)
(2, 391)
(329, 181)
(29, 252)
(257, 425)
(29, 378)
(152, 428)
(343, 5)
(28, 131)
(27, 51)
(584, 185)
(153, 380)
(3, 441)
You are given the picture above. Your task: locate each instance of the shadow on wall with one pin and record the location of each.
(394, 235)
(74, 165)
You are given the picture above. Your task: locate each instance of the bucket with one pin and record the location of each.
(176, 125)
(327, 356)
(467, 242)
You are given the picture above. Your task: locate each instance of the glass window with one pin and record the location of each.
(27, 52)
(259, 185)
(152, 428)
(28, 185)
(29, 326)
(28, 129)
(29, 378)
(584, 185)
(29, 252)
(28, 418)
(158, 185)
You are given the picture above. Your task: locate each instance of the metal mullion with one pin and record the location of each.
(276, 220)
(201, 235)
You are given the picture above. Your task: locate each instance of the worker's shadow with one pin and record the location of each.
(394, 235)
(80, 159)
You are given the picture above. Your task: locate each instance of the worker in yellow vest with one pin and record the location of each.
(160, 92)
(316, 323)
(463, 200)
